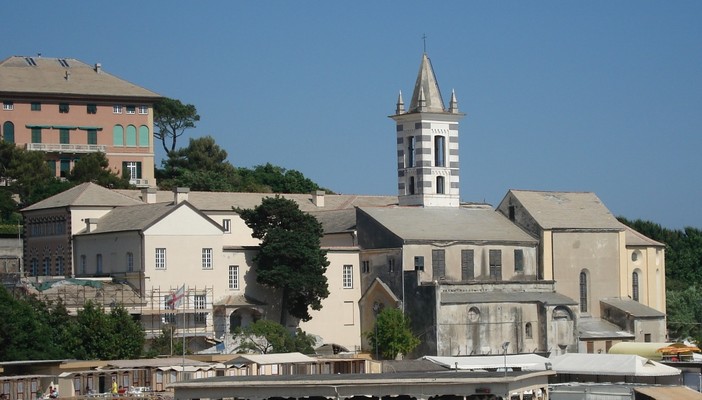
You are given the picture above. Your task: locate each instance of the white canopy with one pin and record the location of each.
(525, 362)
(610, 364)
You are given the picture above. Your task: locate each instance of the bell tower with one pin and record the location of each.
(427, 144)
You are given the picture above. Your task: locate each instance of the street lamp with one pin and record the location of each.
(505, 345)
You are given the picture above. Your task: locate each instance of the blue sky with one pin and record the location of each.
(594, 96)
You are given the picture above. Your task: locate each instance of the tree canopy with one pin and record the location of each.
(392, 334)
(266, 336)
(95, 167)
(290, 258)
(171, 119)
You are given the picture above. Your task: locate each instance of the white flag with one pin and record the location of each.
(176, 298)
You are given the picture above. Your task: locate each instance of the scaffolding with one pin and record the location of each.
(193, 317)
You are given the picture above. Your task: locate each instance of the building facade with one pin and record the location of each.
(66, 109)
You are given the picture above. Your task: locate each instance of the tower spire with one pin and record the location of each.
(426, 82)
(400, 104)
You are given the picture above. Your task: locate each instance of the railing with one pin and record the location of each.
(66, 148)
(139, 182)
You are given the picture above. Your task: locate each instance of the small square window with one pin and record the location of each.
(143, 110)
(419, 263)
(63, 108)
(131, 110)
(227, 225)
(92, 109)
(117, 109)
(36, 106)
(8, 105)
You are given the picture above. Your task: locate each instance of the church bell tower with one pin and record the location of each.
(427, 145)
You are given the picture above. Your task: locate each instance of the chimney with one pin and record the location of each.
(318, 198)
(148, 195)
(180, 194)
(98, 67)
(91, 224)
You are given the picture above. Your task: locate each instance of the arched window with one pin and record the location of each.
(118, 135)
(47, 266)
(439, 151)
(143, 136)
(440, 185)
(8, 132)
(635, 286)
(131, 136)
(527, 330)
(411, 185)
(411, 142)
(583, 291)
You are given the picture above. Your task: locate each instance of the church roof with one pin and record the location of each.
(84, 195)
(426, 89)
(574, 210)
(552, 298)
(634, 238)
(466, 223)
(132, 218)
(64, 77)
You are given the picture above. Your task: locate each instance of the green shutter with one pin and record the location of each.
(36, 135)
(138, 168)
(64, 137)
(118, 135)
(8, 132)
(92, 136)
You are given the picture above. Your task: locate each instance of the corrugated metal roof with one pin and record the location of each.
(669, 392)
(610, 364)
(64, 77)
(267, 359)
(468, 223)
(567, 210)
(525, 362)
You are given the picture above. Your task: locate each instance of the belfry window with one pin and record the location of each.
(439, 151)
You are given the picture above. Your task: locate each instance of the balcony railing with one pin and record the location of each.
(66, 148)
(139, 182)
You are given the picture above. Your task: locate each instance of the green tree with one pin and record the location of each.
(171, 119)
(95, 167)
(392, 334)
(279, 180)
(107, 336)
(290, 258)
(24, 335)
(684, 308)
(266, 336)
(202, 165)
(165, 344)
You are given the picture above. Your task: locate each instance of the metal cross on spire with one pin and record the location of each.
(424, 38)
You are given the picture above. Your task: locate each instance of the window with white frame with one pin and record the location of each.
(227, 225)
(143, 110)
(160, 261)
(8, 105)
(200, 301)
(117, 109)
(131, 110)
(206, 258)
(168, 317)
(234, 277)
(347, 279)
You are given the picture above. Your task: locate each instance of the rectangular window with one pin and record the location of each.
(36, 135)
(647, 338)
(117, 109)
(391, 264)
(130, 262)
(131, 110)
(347, 280)
(65, 167)
(519, 261)
(143, 110)
(168, 318)
(365, 266)
(438, 263)
(411, 142)
(131, 170)
(419, 263)
(91, 109)
(92, 136)
(206, 258)
(200, 304)
(36, 106)
(8, 105)
(439, 151)
(98, 262)
(63, 108)
(467, 265)
(64, 137)
(234, 277)
(227, 225)
(83, 264)
(496, 264)
(160, 258)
